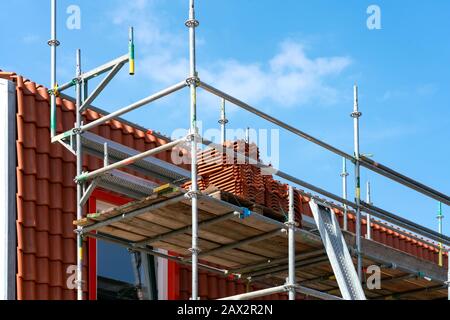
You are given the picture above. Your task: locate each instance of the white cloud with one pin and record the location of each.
(291, 77)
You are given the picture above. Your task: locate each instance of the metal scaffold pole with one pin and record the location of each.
(356, 115)
(368, 216)
(79, 185)
(53, 43)
(291, 245)
(440, 216)
(344, 176)
(193, 81)
(223, 122)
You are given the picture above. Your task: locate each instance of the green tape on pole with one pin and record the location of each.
(132, 63)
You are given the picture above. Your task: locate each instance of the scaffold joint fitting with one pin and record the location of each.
(192, 23)
(193, 80)
(192, 194)
(53, 42)
(195, 251)
(356, 114)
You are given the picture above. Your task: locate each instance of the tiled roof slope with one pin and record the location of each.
(46, 192)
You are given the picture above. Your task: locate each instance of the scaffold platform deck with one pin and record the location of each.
(236, 241)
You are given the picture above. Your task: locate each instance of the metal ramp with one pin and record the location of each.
(337, 251)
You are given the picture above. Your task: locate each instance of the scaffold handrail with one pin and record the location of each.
(369, 164)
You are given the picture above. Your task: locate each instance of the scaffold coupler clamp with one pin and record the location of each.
(194, 251)
(289, 287)
(356, 114)
(194, 136)
(76, 131)
(54, 91)
(81, 178)
(53, 42)
(292, 224)
(223, 121)
(193, 80)
(192, 194)
(346, 174)
(192, 23)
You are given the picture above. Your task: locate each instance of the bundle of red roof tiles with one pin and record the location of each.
(230, 173)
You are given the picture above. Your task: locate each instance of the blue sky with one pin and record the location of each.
(297, 61)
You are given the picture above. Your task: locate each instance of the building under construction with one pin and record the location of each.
(222, 226)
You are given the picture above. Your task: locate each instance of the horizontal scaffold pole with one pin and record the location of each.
(135, 105)
(279, 289)
(126, 162)
(377, 212)
(369, 164)
(258, 294)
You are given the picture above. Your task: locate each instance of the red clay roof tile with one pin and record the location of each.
(43, 249)
(26, 212)
(43, 271)
(45, 187)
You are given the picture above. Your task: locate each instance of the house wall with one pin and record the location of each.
(7, 190)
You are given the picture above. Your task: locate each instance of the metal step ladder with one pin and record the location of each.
(337, 251)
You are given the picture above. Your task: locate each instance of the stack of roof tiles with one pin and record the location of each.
(230, 174)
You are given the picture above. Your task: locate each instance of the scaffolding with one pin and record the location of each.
(151, 197)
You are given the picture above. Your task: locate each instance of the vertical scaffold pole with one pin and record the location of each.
(356, 115)
(247, 135)
(192, 23)
(53, 43)
(131, 51)
(368, 217)
(79, 185)
(440, 217)
(291, 245)
(344, 176)
(223, 123)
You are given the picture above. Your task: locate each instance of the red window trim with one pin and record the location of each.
(114, 199)
(173, 269)
(173, 280)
